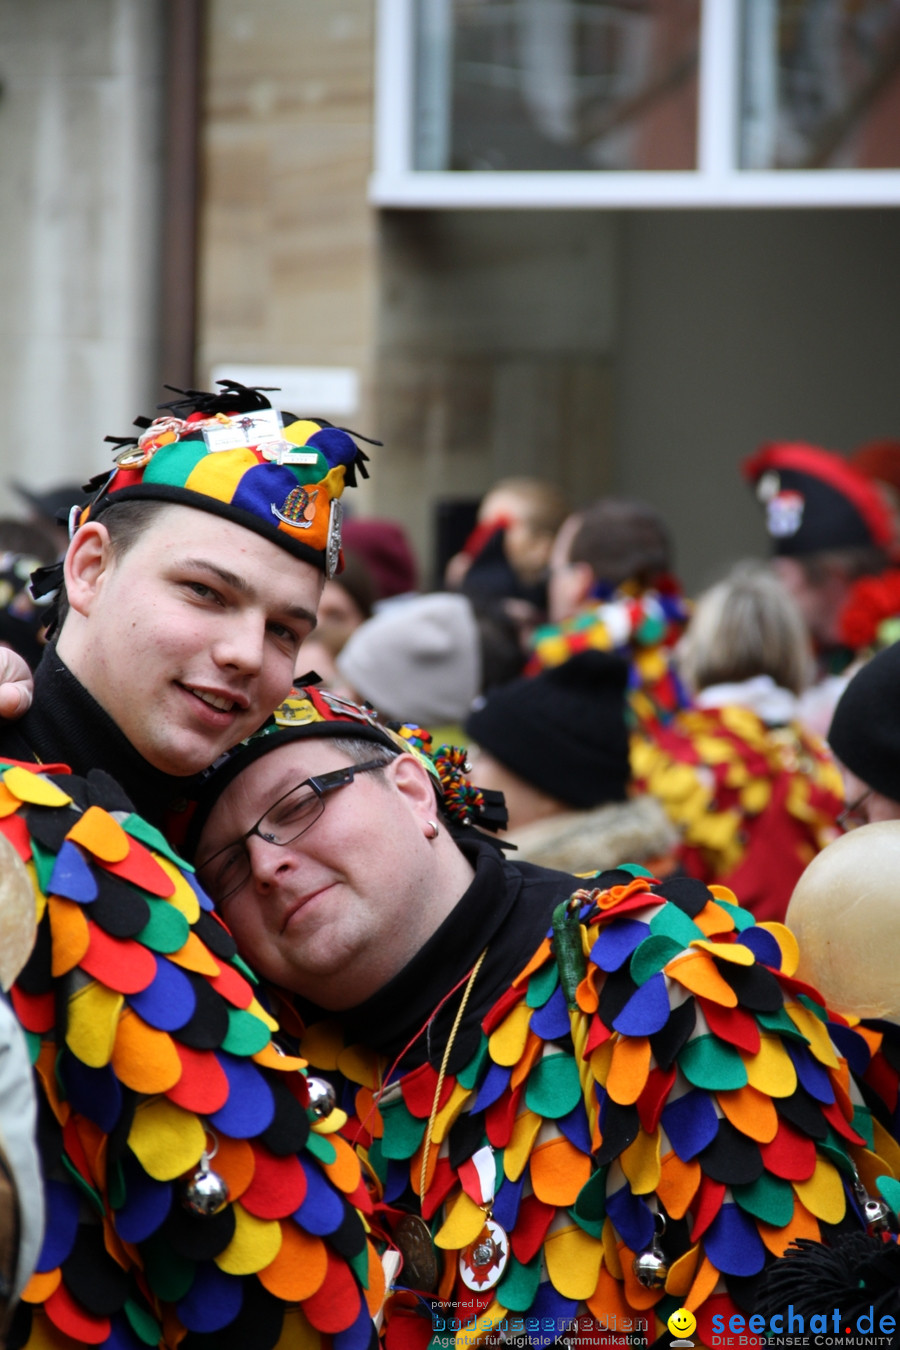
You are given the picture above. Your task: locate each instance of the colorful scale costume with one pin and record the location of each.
(655, 1060)
(754, 803)
(160, 1080)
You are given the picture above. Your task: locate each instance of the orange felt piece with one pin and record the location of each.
(40, 1287)
(751, 1112)
(697, 972)
(271, 1058)
(321, 1044)
(144, 1058)
(344, 1171)
(337, 1301)
(735, 952)
(558, 1171)
(802, 1225)
(101, 835)
(196, 956)
(712, 919)
(539, 959)
(235, 1163)
(705, 1281)
(299, 1268)
(70, 933)
(586, 995)
(628, 1069)
(375, 1291)
(202, 1085)
(608, 1301)
(530, 1055)
(9, 804)
(682, 1272)
(678, 1182)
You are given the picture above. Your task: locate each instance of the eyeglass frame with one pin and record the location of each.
(321, 784)
(842, 817)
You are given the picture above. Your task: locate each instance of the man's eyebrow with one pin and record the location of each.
(243, 587)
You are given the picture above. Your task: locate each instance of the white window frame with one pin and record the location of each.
(717, 180)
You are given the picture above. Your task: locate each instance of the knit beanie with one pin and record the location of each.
(865, 728)
(563, 730)
(417, 660)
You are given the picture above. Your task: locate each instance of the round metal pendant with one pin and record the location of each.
(412, 1237)
(204, 1193)
(322, 1098)
(483, 1262)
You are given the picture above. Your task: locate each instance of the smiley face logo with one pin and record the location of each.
(682, 1323)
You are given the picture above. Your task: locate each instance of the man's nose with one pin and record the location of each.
(242, 643)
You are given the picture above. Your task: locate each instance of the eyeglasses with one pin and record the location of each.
(229, 868)
(850, 818)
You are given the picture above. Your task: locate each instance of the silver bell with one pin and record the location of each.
(877, 1215)
(651, 1268)
(322, 1098)
(204, 1192)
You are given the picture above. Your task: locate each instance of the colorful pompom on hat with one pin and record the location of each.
(815, 500)
(233, 454)
(310, 713)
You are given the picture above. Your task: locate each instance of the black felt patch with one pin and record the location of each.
(217, 938)
(289, 1128)
(103, 790)
(689, 894)
(93, 1276)
(208, 1027)
(619, 1126)
(119, 909)
(198, 1237)
(731, 1157)
(670, 1040)
(804, 1112)
(258, 1324)
(757, 988)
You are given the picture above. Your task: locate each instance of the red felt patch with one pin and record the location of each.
(336, 1304)
(442, 1184)
(791, 1155)
(708, 1202)
(74, 1320)
(18, 834)
(734, 1025)
(418, 1090)
(500, 1117)
(598, 1034)
(36, 1012)
(503, 1005)
(654, 1096)
(835, 1117)
(534, 1219)
(203, 1086)
(142, 870)
(119, 963)
(278, 1186)
(233, 987)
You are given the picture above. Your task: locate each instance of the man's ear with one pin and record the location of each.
(88, 559)
(414, 782)
(584, 581)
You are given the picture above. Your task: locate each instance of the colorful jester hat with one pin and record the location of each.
(233, 454)
(309, 713)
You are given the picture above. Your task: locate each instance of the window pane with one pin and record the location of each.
(820, 84)
(556, 84)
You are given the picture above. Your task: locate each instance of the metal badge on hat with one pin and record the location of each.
(784, 514)
(333, 544)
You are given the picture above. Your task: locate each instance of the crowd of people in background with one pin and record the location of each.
(563, 1057)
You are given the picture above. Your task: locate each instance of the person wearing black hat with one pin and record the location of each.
(556, 744)
(865, 737)
(573, 1096)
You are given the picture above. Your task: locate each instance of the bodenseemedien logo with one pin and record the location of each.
(682, 1324)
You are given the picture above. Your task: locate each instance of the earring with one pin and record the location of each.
(432, 825)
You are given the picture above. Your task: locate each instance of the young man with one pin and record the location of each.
(575, 1135)
(188, 1179)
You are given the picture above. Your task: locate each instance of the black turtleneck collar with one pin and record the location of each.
(65, 725)
(508, 909)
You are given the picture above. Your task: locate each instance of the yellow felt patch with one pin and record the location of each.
(641, 1164)
(611, 1245)
(558, 1171)
(751, 1112)
(255, 1244)
(297, 1332)
(628, 1069)
(270, 1058)
(770, 1070)
(790, 948)
(258, 1011)
(697, 972)
(815, 1032)
(32, 788)
(299, 1268)
(166, 1139)
(331, 1123)
(145, 1058)
(573, 1260)
(322, 1044)
(355, 1064)
(71, 934)
(101, 835)
(479, 1328)
(508, 1041)
(518, 1150)
(183, 896)
(678, 1182)
(93, 1017)
(823, 1192)
(462, 1225)
(735, 952)
(449, 1112)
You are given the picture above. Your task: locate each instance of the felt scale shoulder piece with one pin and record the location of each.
(160, 1086)
(643, 628)
(655, 1087)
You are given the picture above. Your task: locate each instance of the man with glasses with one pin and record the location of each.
(865, 737)
(188, 1178)
(576, 1100)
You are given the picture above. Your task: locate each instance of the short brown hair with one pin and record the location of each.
(622, 540)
